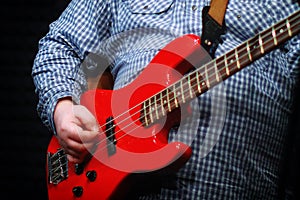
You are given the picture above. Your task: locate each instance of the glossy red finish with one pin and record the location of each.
(143, 149)
(139, 149)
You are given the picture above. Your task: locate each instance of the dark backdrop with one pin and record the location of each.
(24, 139)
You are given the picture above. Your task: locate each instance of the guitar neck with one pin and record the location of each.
(219, 69)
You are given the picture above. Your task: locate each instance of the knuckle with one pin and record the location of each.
(82, 148)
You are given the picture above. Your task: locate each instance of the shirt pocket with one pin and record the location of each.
(133, 14)
(245, 19)
(149, 6)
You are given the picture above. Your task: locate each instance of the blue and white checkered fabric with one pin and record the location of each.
(237, 130)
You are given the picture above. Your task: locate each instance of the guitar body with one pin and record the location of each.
(131, 141)
(135, 121)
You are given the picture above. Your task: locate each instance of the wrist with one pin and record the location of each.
(63, 106)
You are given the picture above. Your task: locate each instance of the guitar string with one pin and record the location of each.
(173, 84)
(222, 61)
(224, 67)
(159, 106)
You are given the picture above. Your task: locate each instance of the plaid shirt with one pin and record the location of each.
(237, 130)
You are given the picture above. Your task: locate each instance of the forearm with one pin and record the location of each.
(57, 69)
(56, 74)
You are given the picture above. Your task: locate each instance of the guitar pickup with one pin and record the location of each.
(110, 135)
(57, 167)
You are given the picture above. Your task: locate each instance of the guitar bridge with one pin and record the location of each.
(57, 167)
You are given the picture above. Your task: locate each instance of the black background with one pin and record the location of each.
(24, 139)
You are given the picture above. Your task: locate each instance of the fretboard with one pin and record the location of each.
(207, 76)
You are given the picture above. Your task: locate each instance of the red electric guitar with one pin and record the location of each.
(134, 121)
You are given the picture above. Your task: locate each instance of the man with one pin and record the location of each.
(236, 131)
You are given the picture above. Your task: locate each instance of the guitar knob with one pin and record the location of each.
(77, 191)
(78, 169)
(91, 175)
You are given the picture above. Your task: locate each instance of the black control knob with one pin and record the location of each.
(91, 175)
(77, 191)
(78, 169)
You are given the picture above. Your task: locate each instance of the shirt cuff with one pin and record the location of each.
(52, 105)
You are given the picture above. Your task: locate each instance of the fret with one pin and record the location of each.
(162, 104)
(198, 82)
(145, 113)
(155, 106)
(249, 51)
(175, 96)
(237, 59)
(274, 36)
(288, 25)
(207, 77)
(260, 41)
(151, 111)
(182, 92)
(216, 71)
(226, 65)
(168, 101)
(190, 87)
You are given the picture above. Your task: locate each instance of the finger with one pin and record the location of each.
(74, 159)
(80, 136)
(88, 141)
(86, 118)
(80, 152)
(88, 136)
(76, 147)
(73, 155)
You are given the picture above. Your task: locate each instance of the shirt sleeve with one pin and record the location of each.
(56, 69)
(293, 56)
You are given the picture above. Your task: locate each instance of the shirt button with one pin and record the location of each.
(194, 7)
